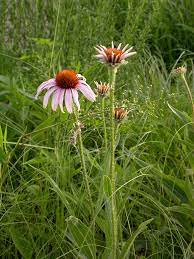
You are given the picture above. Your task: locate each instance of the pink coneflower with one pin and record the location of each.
(66, 83)
(114, 56)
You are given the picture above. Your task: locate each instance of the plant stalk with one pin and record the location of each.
(104, 123)
(112, 78)
(189, 94)
(83, 164)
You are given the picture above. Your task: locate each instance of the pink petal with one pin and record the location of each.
(45, 85)
(100, 48)
(47, 96)
(116, 58)
(68, 100)
(87, 91)
(123, 56)
(126, 46)
(128, 50)
(55, 99)
(81, 77)
(119, 46)
(75, 98)
(61, 99)
(99, 56)
(103, 47)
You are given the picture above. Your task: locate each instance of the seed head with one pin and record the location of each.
(180, 70)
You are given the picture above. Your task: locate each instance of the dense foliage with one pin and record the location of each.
(44, 211)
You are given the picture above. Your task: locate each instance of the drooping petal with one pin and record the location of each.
(102, 57)
(47, 96)
(61, 99)
(116, 58)
(87, 91)
(68, 100)
(99, 56)
(55, 99)
(75, 98)
(45, 85)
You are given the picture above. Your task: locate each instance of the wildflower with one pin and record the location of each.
(120, 113)
(180, 70)
(65, 86)
(114, 56)
(102, 88)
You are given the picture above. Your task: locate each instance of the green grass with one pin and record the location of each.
(44, 210)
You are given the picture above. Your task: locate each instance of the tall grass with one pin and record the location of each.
(44, 210)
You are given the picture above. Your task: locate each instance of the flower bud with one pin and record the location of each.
(102, 88)
(120, 114)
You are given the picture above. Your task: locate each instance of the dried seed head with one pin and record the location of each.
(180, 70)
(120, 113)
(102, 88)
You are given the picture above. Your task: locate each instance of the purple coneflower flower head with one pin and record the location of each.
(64, 88)
(114, 56)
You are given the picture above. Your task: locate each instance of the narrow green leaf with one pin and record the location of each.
(181, 115)
(129, 243)
(82, 237)
(1, 137)
(23, 244)
(107, 185)
(5, 140)
(2, 155)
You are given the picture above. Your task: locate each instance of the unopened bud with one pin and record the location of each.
(120, 113)
(102, 88)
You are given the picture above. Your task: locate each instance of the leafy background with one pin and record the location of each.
(43, 206)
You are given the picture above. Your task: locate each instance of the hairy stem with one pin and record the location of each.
(104, 122)
(112, 78)
(83, 164)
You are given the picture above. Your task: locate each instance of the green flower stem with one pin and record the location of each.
(112, 78)
(189, 93)
(83, 164)
(187, 88)
(104, 122)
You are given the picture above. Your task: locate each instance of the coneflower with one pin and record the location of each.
(114, 56)
(64, 88)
